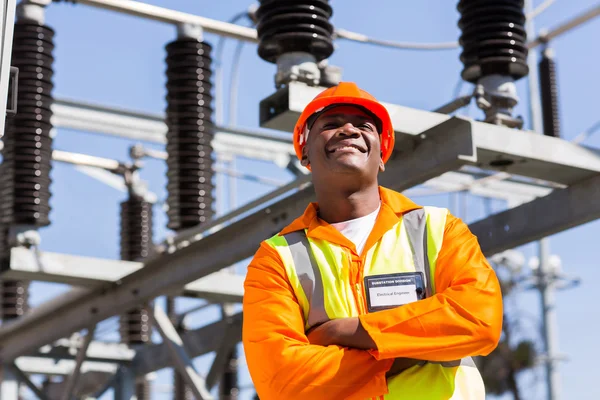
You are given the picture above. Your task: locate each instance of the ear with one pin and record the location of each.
(381, 165)
(304, 161)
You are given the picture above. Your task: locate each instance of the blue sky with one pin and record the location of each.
(107, 58)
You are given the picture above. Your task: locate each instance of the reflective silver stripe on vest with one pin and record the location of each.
(465, 362)
(309, 276)
(415, 224)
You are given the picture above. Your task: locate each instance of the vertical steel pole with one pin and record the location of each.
(549, 320)
(544, 274)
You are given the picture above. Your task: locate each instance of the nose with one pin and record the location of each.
(348, 130)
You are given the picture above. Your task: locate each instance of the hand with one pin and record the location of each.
(401, 364)
(345, 332)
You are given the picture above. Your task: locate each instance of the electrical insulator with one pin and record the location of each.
(493, 39)
(136, 228)
(294, 26)
(190, 133)
(142, 389)
(181, 391)
(229, 381)
(15, 296)
(549, 94)
(136, 243)
(27, 153)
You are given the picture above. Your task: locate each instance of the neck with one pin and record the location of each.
(343, 204)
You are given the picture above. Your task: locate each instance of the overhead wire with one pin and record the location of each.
(540, 9)
(359, 37)
(587, 133)
(219, 70)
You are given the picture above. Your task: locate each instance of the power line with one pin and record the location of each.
(359, 37)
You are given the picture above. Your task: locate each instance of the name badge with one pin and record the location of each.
(393, 290)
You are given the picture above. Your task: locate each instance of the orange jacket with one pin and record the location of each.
(463, 318)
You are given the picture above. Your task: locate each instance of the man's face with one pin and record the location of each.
(345, 140)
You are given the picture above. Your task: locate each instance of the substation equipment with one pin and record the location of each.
(537, 172)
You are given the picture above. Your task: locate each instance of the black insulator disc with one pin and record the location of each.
(27, 152)
(294, 26)
(136, 228)
(135, 326)
(15, 296)
(549, 95)
(136, 243)
(493, 38)
(190, 132)
(142, 389)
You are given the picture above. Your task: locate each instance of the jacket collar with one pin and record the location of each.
(393, 206)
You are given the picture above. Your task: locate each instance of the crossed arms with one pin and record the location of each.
(351, 358)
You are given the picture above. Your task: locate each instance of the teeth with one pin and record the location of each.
(346, 147)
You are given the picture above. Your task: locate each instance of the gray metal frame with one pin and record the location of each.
(444, 147)
(91, 272)
(179, 357)
(433, 149)
(7, 16)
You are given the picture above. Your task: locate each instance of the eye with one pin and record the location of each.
(367, 126)
(329, 125)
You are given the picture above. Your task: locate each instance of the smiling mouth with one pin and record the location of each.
(345, 148)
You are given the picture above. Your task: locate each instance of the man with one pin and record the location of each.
(367, 295)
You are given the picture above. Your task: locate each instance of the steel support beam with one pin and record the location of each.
(23, 378)
(61, 367)
(9, 385)
(561, 210)
(256, 145)
(169, 272)
(495, 147)
(102, 352)
(125, 385)
(444, 147)
(147, 127)
(95, 272)
(81, 353)
(160, 14)
(197, 342)
(222, 357)
(179, 357)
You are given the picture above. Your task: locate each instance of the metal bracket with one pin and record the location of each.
(13, 91)
(81, 355)
(23, 378)
(178, 354)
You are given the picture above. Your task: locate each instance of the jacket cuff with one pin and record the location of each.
(369, 323)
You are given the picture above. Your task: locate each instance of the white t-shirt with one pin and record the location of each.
(358, 230)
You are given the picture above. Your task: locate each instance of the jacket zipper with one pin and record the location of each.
(359, 298)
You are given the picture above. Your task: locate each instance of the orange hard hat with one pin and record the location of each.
(346, 93)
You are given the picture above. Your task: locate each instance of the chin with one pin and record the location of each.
(348, 167)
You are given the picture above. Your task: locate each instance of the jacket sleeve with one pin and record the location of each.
(281, 362)
(463, 318)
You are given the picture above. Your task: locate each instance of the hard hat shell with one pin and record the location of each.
(345, 93)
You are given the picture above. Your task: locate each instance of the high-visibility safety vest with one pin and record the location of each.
(317, 271)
